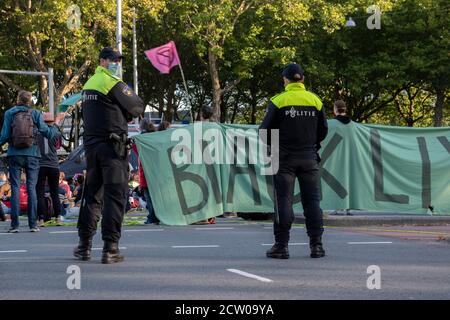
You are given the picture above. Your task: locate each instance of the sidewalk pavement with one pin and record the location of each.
(427, 233)
(362, 219)
(408, 227)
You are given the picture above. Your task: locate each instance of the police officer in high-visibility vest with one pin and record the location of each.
(300, 118)
(108, 104)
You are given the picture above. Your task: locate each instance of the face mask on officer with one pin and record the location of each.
(114, 68)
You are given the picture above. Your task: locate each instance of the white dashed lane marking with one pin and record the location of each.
(250, 275)
(215, 228)
(13, 251)
(199, 246)
(371, 242)
(291, 228)
(291, 244)
(143, 230)
(62, 232)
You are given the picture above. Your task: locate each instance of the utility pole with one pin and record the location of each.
(135, 72)
(119, 29)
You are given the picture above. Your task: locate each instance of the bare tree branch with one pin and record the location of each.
(230, 86)
(68, 85)
(6, 80)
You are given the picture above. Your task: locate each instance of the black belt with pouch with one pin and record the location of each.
(120, 144)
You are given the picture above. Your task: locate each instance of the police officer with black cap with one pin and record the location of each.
(108, 104)
(300, 118)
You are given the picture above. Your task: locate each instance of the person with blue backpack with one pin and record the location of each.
(20, 127)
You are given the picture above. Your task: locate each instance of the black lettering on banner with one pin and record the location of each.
(426, 173)
(181, 175)
(245, 169)
(212, 177)
(325, 174)
(445, 143)
(375, 143)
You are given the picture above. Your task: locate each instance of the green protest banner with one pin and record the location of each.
(202, 170)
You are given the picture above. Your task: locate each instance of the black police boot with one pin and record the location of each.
(83, 251)
(278, 251)
(315, 244)
(111, 253)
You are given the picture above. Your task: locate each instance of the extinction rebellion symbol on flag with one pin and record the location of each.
(164, 57)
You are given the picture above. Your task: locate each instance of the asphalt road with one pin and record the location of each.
(223, 261)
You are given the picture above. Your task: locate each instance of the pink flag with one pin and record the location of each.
(164, 57)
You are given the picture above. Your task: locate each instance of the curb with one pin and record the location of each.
(363, 221)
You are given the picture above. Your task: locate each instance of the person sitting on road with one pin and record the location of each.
(64, 185)
(64, 193)
(134, 180)
(5, 195)
(78, 190)
(23, 198)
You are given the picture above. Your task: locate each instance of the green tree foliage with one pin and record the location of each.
(233, 52)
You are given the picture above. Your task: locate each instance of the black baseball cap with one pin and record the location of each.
(293, 72)
(110, 53)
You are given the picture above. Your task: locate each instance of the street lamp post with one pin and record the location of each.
(135, 73)
(119, 25)
(119, 31)
(51, 86)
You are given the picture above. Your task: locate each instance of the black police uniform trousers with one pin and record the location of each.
(307, 172)
(105, 193)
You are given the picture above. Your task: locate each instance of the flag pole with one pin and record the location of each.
(187, 92)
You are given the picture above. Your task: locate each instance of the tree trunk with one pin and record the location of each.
(254, 104)
(439, 107)
(171, 100)
(43, 90)
(214, 73)
(223, 108)
(253, 114)
(160, 105)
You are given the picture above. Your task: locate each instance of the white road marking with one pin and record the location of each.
(121, 248)
(371, 242)
(143, 230)
(249, 275)
(56, 232)
(13, 251)
(201, 246)
(292, 228)
(215, 228)
(291, 244)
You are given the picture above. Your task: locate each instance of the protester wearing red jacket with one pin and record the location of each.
(146, 127)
